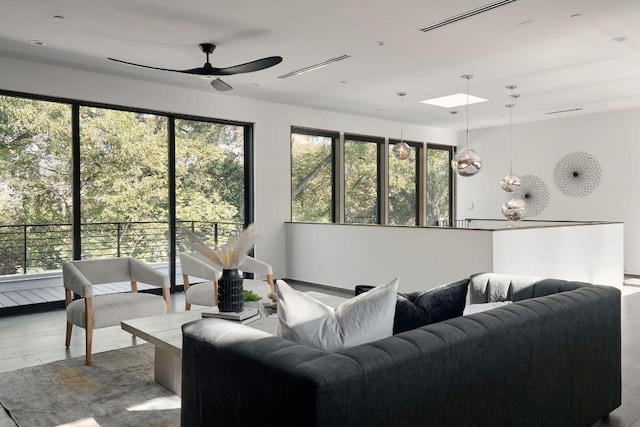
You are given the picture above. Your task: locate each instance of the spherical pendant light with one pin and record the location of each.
(466, 162)
(510, 183)
(513, 210)
(401, 150)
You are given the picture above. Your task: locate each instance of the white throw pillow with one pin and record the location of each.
(365, 318)
(477, 308)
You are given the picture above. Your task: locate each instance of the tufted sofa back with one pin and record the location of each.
(492, 287)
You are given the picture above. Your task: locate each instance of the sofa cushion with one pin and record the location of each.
(417, 309)
(365, 318)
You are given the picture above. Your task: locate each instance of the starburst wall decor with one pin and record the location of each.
(577, 174)
(535, 194)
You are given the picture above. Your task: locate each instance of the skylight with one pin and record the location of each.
(454, 100)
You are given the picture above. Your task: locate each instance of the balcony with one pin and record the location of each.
(31, 255)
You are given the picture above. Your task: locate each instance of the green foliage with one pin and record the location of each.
(124, 179)
(248, 295)
(311, 162)
(311, 182)
(360, 182)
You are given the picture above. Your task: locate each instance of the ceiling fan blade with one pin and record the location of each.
(220, 85)
(148, 66)
(258, 64)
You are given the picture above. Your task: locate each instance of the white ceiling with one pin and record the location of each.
(559, 61)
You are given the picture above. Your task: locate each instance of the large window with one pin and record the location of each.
(123, 175)
(35, 184)
(352, 179)
(210, 178)
(312, 177)
(91, 181)
(403, 186)
(439, 184)
(362, 179)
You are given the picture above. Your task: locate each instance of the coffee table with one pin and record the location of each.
(165, 333)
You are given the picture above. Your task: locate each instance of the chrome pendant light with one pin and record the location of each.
(467, 162)
(401, 150)
(511, 182)
(514, 210)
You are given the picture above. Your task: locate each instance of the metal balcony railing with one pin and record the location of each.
(32, 248)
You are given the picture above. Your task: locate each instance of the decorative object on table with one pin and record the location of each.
(467, 162)
(401, 150)
(511, 182)
(577, 174)
(229, 257)
(247, 315)
(535, 194)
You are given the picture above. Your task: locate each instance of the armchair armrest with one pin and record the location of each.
(141, 272)
(193, 266)
(74, 280)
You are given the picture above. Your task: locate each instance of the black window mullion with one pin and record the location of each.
(171, 159)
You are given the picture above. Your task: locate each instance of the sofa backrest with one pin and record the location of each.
(492, 287)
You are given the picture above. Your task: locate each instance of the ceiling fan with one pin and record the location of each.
(207, 71)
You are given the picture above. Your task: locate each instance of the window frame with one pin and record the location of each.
(75, 104)
(380, 167)
(335, 139)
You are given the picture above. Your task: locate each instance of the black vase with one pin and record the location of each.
(230, 291)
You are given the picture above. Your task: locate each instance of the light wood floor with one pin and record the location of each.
(33, 339)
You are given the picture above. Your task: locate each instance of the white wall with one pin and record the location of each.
(347, 255)
(611, 137)
(587, 253)
(272, 130)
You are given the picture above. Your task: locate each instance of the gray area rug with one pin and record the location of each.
(116, 390)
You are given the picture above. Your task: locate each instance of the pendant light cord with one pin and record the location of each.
(468, 78)
(402, 116)
(513, 123)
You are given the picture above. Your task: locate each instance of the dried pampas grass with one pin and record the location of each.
(231, 254)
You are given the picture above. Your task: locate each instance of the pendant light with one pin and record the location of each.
(511, 182)
(401, 150)
(514, 209)
(467, 162)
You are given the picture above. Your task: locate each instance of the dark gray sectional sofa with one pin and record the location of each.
(552, 358)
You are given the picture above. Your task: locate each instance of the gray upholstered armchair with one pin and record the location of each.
(206, 293)
(92, 312)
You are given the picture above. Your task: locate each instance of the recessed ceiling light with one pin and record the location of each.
(454, 100)
(380, 43)
(619, 39)
(37, 42)
(343, 82)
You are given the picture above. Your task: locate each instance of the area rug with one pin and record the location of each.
(116, 390)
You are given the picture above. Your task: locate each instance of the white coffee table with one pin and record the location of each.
(165, 333)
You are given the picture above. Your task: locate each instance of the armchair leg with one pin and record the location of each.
(89, 339)
(88, 305)
(68, 336)
(185, 282)
(167, 298)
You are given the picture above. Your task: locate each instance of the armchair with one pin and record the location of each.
(92, 312)
(206, 293)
